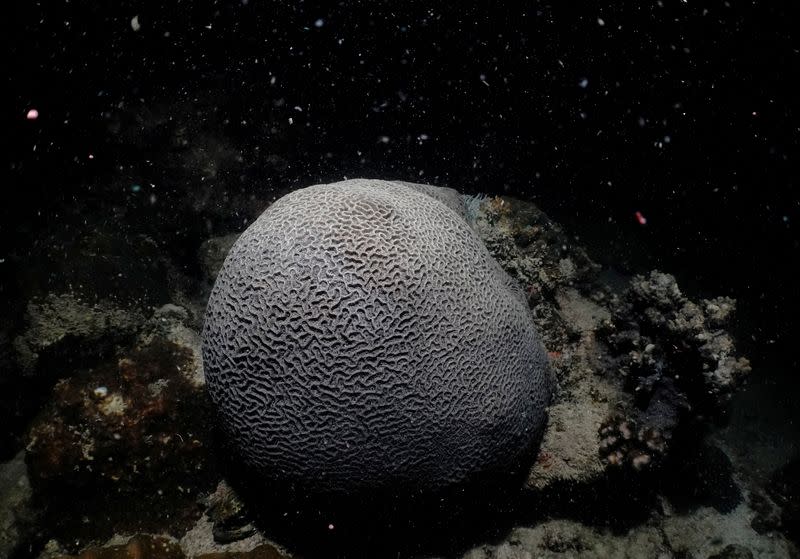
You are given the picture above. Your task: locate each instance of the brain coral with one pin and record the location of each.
(360, 336)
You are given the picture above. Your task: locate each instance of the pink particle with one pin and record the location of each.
(640, 218)
(33, 114)
(330, 526)
(91, 156)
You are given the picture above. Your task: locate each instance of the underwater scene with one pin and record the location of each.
(286, 280)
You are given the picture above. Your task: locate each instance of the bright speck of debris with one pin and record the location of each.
(135, 23)
(584, 83)
(101, 392)
(33, 114)
(384, 139)
(319, 23)
(600, 22)
(291, 120)
(640, 218)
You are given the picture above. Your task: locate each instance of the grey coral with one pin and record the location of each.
(359, 336)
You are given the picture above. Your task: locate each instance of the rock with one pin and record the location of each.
(784, 488)
(263, 551)
(134, 430)
(177, 325)
(701, 474)
(570, 450)
(138, 547)
(212, 254)
(201, 539)
(229, 515)
(767, 516)
(733, 551)
(17, 515)
(555, 539)
(98, 262)
(63, 331)
(657, 333)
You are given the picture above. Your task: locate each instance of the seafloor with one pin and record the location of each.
(639, 458)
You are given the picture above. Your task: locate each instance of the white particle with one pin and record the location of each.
(584, 83)
(291, 120)
(600, 22)
(101, 392)
(384, 139)
(135, 23)
(319, 23)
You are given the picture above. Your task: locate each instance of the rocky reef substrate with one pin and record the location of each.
(119, 457)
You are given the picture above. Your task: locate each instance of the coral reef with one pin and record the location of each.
(18, 517)
(657, 333)
(229, 515)
(212, 254)
(159, 547)
(134, 427)
(784, 489)
(624, 468)
(63, 329)
(624, 443)
(141, 547)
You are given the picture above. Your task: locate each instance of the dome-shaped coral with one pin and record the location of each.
(360, 336)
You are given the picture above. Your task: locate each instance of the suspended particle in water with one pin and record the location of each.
(32, 114)
(641, 219)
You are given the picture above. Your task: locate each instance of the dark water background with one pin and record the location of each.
(682, 111)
